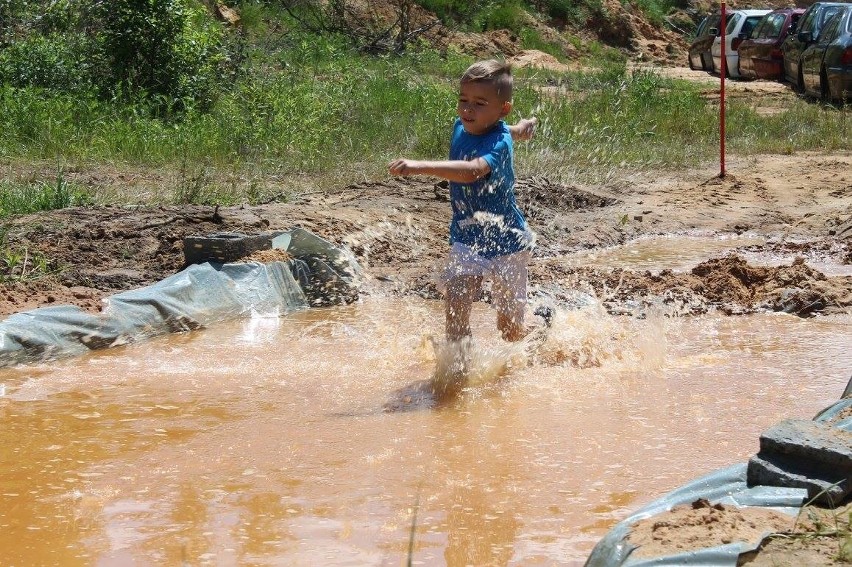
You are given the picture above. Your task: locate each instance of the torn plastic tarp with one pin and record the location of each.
(196, 297)
(727, 486)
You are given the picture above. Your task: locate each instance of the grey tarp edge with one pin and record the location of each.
(195, 297)
(727, 486)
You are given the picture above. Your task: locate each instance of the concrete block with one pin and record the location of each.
(825, 486)
(811, 441)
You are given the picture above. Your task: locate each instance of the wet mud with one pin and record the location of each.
(397, 229)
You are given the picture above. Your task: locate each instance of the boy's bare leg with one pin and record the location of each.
(461, 293)
(451, 379)
(510, 328)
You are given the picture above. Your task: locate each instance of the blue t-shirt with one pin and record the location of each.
(485, 215)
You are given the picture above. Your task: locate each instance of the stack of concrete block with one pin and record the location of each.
(805, 454)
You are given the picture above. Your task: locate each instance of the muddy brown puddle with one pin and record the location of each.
(263, 441)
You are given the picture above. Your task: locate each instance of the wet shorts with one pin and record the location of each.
(508, 276)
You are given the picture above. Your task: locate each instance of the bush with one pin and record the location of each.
(168, 50)
(502, 15)
(52, 61)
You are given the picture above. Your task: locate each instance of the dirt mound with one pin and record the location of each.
(728, 284)
(785, 541)
(618, 25)
(702, 525)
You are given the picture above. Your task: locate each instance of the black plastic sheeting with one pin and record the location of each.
(728, 487)
(200, 295)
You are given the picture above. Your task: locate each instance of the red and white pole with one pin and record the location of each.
(722, 73)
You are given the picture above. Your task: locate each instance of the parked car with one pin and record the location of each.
(700, 57)
(805, 32)
(826, 65)
(739, 27)
(760, 52)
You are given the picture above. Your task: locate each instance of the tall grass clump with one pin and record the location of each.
(24, 198)
(608, 120)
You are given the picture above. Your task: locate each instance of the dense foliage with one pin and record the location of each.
(168, 51)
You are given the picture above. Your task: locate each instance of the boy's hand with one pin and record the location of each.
(525, 129)
(403, 167)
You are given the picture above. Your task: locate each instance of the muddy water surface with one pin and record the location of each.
(264, 441)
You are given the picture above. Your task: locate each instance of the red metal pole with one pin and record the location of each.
(722, 72)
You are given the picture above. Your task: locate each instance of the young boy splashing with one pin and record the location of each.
(489, 237)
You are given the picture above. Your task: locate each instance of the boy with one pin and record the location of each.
(489, 236)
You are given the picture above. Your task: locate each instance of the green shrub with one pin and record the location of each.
(170, 51)
(531, 39)
(500, 15)
(451, 11)
(54, 61)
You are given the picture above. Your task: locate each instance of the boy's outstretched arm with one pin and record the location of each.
(459, 171)
(524, 129)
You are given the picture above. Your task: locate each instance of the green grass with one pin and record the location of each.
(21, 198)
(310, 108)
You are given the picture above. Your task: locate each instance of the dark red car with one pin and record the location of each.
(760, 53)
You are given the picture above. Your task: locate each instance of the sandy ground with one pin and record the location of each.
(800, 204)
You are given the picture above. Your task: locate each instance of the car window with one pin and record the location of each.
(758, 30)
(700, 30)
(749, 24)
(732, 24)
(830, 29)
(762, 27)
(849, 22)
(772, 26)
(807, 21)
(827, 15)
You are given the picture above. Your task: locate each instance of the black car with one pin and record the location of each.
(700, 57)
(806, 31)
(826, 67)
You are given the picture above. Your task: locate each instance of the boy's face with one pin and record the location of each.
(479, 107)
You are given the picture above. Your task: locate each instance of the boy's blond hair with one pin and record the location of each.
(494, 72)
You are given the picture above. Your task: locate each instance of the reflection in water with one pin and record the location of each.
(265, 441)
